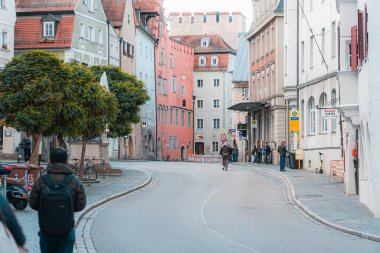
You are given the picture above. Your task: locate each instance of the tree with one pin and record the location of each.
(31, 92)
(130, 93)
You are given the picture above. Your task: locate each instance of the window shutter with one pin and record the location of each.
(360, 36)
(365, 32)
(354, 48)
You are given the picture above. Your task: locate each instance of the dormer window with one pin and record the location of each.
(215, 61)
(49, 29)
(205, 42)
(90, 5)
(202, 61)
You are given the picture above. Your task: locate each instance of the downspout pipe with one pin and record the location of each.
(109, 43)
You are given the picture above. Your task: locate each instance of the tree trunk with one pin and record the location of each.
(35, 148)
(61, 141)
(82, 157)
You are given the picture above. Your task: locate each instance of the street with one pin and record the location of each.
(191, 207)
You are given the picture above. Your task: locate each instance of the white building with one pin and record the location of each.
(318, 87)
(7, 25)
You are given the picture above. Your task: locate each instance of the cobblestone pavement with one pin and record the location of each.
(327, 200)
(109, 186)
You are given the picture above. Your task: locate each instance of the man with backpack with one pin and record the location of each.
(56, 195)
(26, 145)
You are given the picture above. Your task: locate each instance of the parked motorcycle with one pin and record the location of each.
(17, 194)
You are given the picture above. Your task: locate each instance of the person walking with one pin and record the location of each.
(26, 145)
(282, 150)
(254, 151)
(267, 152)
(56, 195)
(224, 152)
(235, 153)
(8, 219)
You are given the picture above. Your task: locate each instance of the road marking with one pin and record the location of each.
(216, 232)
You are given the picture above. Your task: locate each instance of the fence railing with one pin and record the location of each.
(205, 158)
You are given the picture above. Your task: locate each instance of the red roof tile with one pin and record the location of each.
(217, 44)
(114, 10)
(28, 33)
(45, 5)
(152, 6)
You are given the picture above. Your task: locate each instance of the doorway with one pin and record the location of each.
(199, 148)
(183, 153)
(131, 149)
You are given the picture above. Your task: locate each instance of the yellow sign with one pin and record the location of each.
(254, 123)
(294, 123)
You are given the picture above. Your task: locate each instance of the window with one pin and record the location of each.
(217, 18)
(164, 87)
(230, 19)
(302, 122)
(262, 46)
(100, 36)
(312, 111)
(204, 18)
(333, 105)
(205, 42)
(91, 33)
(189, 119)
(171, 116)
(162, 56)
(323, 120)
(258, 48)
(216, 103)
(159, 86)
(129, 18)
(48, 29)
(183, 118)
(180, 20)
(171, 61)
(214, 61)
(333, 40)
(200, 83)
(199, 104)
(176, 116)
(202, 61)
(82, 31)
(216, 82)
(215, 146)
(272, 40)
(323, 40)
(216, 123)
(90, 5)
(311, 52)
(4, 40)
(183, 91)
(268, 43)
(199, 123)
(192, 19)
(3, 4)
(302, 56)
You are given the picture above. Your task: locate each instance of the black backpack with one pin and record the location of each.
(56, 212)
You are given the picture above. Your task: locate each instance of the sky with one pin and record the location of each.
(244, 6)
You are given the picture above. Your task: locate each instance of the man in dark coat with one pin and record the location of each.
(26, 145)
(58, 170)
(282, 150)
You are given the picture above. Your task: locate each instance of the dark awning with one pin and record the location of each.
(247, 106)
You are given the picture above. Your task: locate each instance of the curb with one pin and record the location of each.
(315, 216)
(108, 199)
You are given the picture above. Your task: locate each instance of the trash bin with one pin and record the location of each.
(293, 162)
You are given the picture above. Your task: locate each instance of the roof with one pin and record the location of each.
(114, 10)
(217, 44)
(45, 5)
(148, 6)
(247, 106)
(241, 71)
(28, 33)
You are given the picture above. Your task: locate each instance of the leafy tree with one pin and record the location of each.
(130, 93)
(31, 92)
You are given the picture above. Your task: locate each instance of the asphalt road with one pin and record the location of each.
(200, 208)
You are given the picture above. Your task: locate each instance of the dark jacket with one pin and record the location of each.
(10, 221)
(224, 151)
(58, 171)
(267, 150)
(282, 149)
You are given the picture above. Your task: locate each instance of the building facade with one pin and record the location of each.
(267, 116)
(227, 25)
(213, 67)
(7, 25)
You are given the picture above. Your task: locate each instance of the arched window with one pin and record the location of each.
(202, 61)
(323, 120)
(214, 61)
(333, 105)
(312, 112)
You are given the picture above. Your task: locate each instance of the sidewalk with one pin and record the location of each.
(326, 201)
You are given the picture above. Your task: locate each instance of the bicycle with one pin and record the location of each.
(89, 172)
(225, 164)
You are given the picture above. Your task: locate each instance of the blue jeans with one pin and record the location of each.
(51, 244)
(282, 162)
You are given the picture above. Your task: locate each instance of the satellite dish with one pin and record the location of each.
(104, 81)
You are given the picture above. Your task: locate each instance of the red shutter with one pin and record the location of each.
(365, 32)
(360, 36)
(354, 48)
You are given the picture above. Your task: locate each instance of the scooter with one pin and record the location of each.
(17, 195)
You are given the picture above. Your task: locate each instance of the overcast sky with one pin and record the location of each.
(244, 6)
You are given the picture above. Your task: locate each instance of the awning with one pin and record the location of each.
(247, 106)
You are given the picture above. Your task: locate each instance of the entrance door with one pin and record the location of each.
(131, 148)
(183, 153)
(199, 148)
